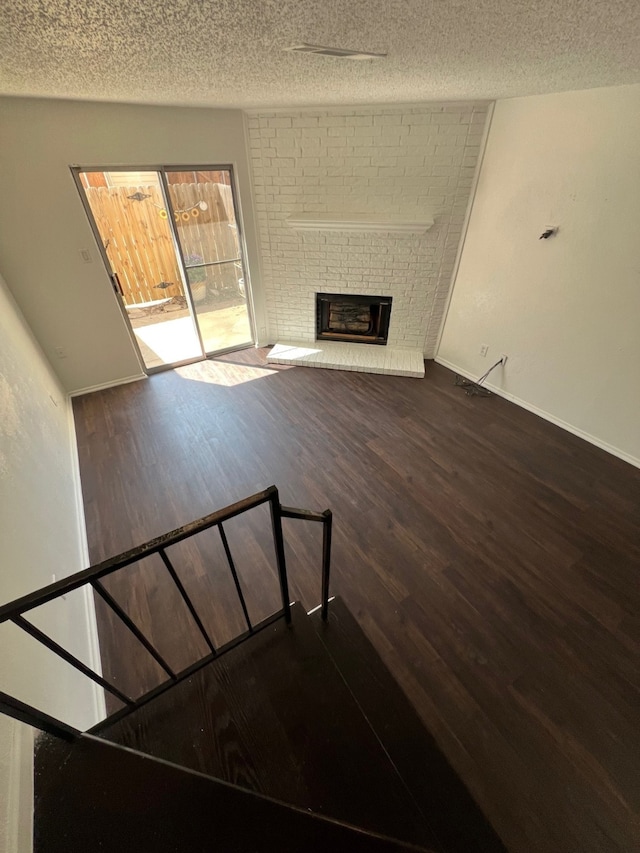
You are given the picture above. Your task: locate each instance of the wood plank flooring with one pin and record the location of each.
(455, 820)
(491, 558)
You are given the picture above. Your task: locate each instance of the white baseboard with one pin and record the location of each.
(103, 385)
(93, 641)
(19, 795)
(574, 430)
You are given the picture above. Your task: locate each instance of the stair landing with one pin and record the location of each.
(274, 716)
(309, 715)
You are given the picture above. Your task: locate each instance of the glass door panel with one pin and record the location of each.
(131, 221)
(206, 225)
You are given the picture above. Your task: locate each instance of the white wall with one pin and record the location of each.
(43, 225)
(565, 310)
(409, 162)
(42, 534)
(16, 787)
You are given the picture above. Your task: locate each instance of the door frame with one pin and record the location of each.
(220, 167)
(76, 171)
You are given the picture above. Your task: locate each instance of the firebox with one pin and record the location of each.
(357, 319)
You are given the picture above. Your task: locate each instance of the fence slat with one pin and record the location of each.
(138, 239)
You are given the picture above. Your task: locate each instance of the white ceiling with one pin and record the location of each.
(229, 52)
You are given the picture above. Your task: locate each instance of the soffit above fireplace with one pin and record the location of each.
(359, 222)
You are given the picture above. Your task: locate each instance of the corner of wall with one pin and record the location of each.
(565, 310)
(79, 392)
(541, 413)
(465, 227)
(256, 281)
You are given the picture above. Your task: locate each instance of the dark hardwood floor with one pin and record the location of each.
(491, 558)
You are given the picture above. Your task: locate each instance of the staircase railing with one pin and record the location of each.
(15, 611)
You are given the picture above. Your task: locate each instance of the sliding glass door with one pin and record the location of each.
(205, 218)
(171, 243)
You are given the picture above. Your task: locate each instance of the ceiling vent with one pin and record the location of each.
(342, 52)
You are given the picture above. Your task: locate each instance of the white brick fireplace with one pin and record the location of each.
(346, 199)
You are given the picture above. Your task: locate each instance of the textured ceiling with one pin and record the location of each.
(229, 52)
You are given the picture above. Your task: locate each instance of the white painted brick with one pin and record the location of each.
(390, 140)
(311, 151)
(332, 121)
(446, 118)
(397, 159)
(475, 134)
(381, 159)
(391, 171)
(368, 131)
(283, 143)
(365, 171)
(345, 133)
(358, 150)
(360, 120)
(415, 119)
(387, 119)
(345, 171)
(440, 170)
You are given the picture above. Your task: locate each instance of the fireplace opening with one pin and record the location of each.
(357, 319)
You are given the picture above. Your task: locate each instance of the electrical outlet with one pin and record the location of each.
(484, 349)
(85, 254)
(60, 352)
(504, 358)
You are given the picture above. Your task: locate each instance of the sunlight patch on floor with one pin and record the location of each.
(223, 373)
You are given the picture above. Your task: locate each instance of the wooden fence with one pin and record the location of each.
(139, 244)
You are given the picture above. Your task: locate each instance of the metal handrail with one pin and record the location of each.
(326, 519)
(15, 610)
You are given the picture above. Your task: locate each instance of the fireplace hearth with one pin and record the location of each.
(356, 319)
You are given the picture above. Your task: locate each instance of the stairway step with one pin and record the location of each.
(449, 809)
(275, 716)
(96, 796)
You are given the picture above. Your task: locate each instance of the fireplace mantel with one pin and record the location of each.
(359, 222)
